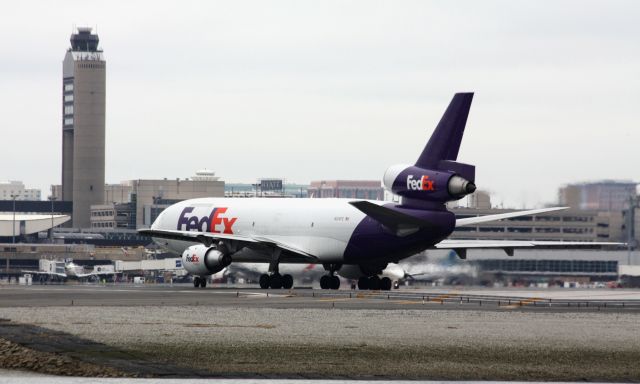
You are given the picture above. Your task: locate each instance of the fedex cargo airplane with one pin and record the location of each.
(354, 238)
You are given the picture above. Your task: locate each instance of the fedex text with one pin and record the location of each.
(215, 222)
(421, 184)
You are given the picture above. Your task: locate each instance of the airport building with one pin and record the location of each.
(83, 125)
(16, 226)
(137, 203)
(604, 195)
(605, 217)
(567, 225)
(266, 187)
(11, 189)
(356, 189)
(14, 258)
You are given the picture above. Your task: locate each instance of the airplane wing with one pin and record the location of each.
(207, 238)
(284, 246)
(502, 216)
(461, 246)
(198, 237)
(99, 274)
(62, 275)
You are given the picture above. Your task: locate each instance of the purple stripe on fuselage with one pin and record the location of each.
(371, 241)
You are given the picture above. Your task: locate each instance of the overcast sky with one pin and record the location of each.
(309, 90)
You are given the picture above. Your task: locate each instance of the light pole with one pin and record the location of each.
(13, 238)
(52, 198)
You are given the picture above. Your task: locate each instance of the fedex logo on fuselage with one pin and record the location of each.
(214, 223)
(421, 184)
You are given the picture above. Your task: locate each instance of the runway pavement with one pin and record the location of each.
(444, 333)
(404, 298)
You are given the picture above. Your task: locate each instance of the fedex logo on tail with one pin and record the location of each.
(421, 184)
(216, 222)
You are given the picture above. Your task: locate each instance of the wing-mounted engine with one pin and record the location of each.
(201, 260)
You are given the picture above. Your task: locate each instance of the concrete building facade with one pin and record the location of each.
(568, 225)
(134, 204)
(151, 197)
(16, 188)
(604, 195)
(83, 125)
(357, 189)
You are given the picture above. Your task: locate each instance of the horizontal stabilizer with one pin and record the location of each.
(502, 216)
(399, 223)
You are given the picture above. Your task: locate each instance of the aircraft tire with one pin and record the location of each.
(324, 282)
(334, 283)
(385, 284)
(287, 281)
(264, 281)
(363, 283)
(275, 281)
(203, 282)
(374, 283)
(196, 282)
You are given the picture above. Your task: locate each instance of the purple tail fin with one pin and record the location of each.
(445, 141)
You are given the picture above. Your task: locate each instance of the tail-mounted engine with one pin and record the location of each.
(427, 184)
(200, 260)
(436, 175)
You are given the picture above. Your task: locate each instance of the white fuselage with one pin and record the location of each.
(320, 227)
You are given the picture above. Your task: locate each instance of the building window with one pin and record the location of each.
(68, 97)
(68, 87)
(68, 109)
(68, 121)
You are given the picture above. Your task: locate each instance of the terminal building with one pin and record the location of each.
(600, 212)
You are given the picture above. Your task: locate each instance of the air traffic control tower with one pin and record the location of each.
(83, 125)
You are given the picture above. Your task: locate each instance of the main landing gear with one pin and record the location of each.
(274, 279)
(374, 283)
(330, 281)
(199, 282)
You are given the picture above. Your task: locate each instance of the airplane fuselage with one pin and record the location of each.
(330, 229)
